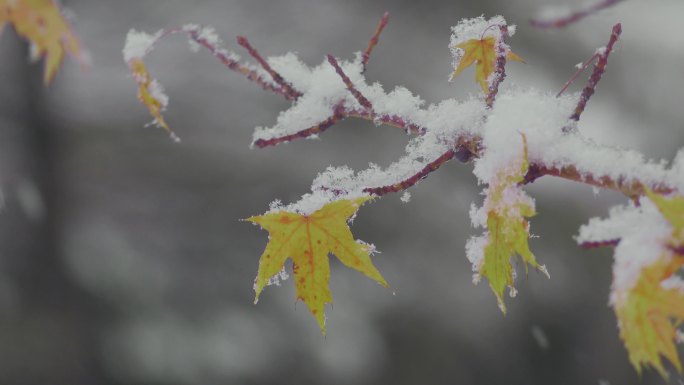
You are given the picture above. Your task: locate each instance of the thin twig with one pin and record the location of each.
(596, 244)
(574, 77)
(415, 178)
(340, 113)
(286, 87)
(374, 40)
(337, 116)
(573, 17)
(632, 189)
(350, 86)
(390, 120)
(599, 69)
(224, 57)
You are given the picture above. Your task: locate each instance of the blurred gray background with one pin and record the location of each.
(123, 260)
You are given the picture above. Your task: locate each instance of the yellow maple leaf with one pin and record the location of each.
(648, 315)
(482, 52)
(150, 93)
(307, 240)
(508, 229)
(41, 22)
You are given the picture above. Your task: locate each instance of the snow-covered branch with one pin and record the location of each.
(513, 135)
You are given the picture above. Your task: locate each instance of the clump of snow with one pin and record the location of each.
(642, 232)
(406, 197)
(540, 117)
(208, 33)
(322, 91)
(210, 39)
(282, 275)
(138, 44)
(478, 28)
(675, 282)
(601, 51)
(157, 92)
(311, 202)
(292, 69)
(475, 253)
(517, 112)
(676, 172)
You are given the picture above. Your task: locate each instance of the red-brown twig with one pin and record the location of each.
(337, 116)
(390, 120)
(374, 40)
(597, 244)
(350, 86)
(577, 73)
(573, 17)
(341, 113)
(499, 73)
(679, 250)
(413, 179)
(224, 57)
(290, 92)
(632, 189)
(599, 69)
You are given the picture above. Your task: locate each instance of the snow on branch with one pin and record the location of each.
(337, 89)
(514, 135)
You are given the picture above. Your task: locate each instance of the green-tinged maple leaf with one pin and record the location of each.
(307, 240)
(648, 315)
(41, 22)
(508, 230)
(482, 52)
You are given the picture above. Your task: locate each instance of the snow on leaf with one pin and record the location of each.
(673, 211)
(41, 22)
(150, 93)
(481, 52)
(648, 316)
(307, 240)
(506, 208)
